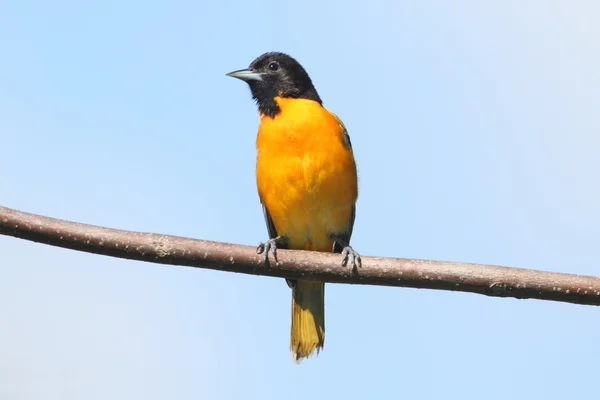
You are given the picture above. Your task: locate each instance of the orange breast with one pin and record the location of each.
(306, 174)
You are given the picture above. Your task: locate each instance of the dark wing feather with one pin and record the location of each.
(269, 221)
(345, 236)
(273, 234)
(337, 248)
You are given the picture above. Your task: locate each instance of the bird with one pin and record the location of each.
(307, 182)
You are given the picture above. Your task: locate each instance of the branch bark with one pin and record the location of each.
(424, 274)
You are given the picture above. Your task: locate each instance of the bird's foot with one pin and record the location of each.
(350, 257)
(271, 245)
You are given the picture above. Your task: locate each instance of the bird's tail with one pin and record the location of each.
(308, 318)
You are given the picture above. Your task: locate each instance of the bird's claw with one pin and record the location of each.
(351, 258)
(270, 245)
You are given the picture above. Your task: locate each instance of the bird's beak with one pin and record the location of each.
(246, 75)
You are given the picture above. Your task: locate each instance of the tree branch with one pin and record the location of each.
(165, 249)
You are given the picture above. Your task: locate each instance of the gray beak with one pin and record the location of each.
(246, 75)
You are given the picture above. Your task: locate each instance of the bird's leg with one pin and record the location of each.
(271, 245)
(349, 256)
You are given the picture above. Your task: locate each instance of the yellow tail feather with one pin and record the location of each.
(308, 318)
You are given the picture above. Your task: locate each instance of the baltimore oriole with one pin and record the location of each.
(307, 182)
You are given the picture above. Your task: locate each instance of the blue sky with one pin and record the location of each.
(475, 127)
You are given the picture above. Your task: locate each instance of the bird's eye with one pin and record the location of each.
(273, 66)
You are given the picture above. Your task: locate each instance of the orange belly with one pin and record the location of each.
(306, 174)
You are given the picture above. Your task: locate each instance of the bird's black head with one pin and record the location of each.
(276, 74)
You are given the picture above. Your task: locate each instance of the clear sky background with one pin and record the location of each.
(476, 132)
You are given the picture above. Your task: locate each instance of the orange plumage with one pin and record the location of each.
(305, 173)
(307, 182)
(306, 178)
